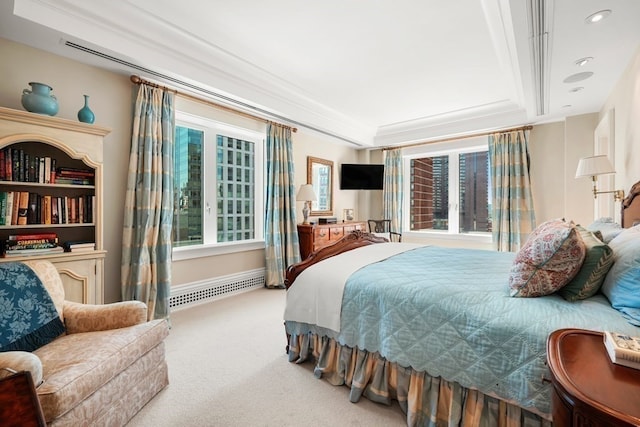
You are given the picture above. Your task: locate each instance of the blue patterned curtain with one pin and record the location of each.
(281, 235)
(512, 202)
(392, 188)
(148, 210)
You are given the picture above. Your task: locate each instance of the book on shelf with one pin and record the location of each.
(23, 208)
(9, 210)
(35, 251)
(79, 246)
(3, 207)
(14, 208)
(23, 245)
(31, 236)
(623, 349)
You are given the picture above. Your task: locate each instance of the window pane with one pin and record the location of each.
(474, 193)
(238, 222)
(187, 183)
(429, 207)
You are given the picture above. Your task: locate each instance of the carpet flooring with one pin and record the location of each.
(228, 367)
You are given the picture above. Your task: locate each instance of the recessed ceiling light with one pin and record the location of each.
(598, 16)
(576, 89)
(566, 106)
(578, 77)
(583, 61)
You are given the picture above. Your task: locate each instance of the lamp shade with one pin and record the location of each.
(594, 165)
(306, 193)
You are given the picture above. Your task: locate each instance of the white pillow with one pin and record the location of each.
(607, 227)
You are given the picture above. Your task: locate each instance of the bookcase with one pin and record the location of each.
(69, 145)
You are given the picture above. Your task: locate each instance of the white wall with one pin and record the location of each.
(625, 101)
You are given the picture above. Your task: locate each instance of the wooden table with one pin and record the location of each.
(590, 390)
(316, 236)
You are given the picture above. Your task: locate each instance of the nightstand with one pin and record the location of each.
(588, 389)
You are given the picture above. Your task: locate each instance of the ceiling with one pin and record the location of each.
(369, 74)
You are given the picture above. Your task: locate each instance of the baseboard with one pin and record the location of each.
(195, 293)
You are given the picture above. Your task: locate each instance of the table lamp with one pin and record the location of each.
(597, 165)
(306, 195)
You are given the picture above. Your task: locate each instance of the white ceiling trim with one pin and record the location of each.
(178, 52)
(497, 115)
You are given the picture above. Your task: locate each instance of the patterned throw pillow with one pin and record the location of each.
(596, 264)
(549, 259)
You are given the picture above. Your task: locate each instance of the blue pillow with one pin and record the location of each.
(622, 284)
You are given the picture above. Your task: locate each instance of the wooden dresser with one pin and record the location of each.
(315, 236)
(588, 389)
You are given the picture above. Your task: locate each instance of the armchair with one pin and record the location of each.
(382, 228)
(108, 363)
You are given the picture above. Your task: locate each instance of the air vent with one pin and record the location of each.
(197, 293)
(242, 106)
(539, 40)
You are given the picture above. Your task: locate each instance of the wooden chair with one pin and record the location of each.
(19, 404)
(382, 227)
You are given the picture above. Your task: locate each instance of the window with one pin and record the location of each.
(218, 191)
(449, 188)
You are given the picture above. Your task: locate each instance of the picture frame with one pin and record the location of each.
(348, 215)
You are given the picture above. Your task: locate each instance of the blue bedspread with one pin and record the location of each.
(448, 312)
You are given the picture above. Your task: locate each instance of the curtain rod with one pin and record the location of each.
(139, 80)
(457, 138)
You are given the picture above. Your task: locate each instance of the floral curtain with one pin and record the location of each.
(512, 203)
(281, 234)
(148, 210)
(392, 189)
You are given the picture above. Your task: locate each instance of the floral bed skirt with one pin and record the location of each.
(427, 400)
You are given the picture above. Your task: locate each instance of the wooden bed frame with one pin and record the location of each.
(356, 239)
(630, 207)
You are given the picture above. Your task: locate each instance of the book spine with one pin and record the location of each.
(33, 236)
(8, 162)
(3, 169)
(41, 171)
(15, 208)
(9, 211)
(32, 218)
(3, 207)
(23, 208)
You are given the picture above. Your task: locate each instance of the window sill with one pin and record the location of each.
(200, 251)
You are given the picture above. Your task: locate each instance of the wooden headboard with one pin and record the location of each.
(630, 209)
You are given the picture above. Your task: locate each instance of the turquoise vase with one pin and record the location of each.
(39, 99)
(85, 115)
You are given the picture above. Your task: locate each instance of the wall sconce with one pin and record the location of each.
(306, 195)
(597, 165)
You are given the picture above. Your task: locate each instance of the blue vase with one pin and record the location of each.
(85, 115)
(39, 99)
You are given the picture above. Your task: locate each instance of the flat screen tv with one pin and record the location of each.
(361, 177)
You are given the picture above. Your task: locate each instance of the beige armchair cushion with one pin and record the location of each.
(50, 277)
(92, 318)
(16, 361)
(87, 317)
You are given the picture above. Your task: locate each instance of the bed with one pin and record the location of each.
(451, 334)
